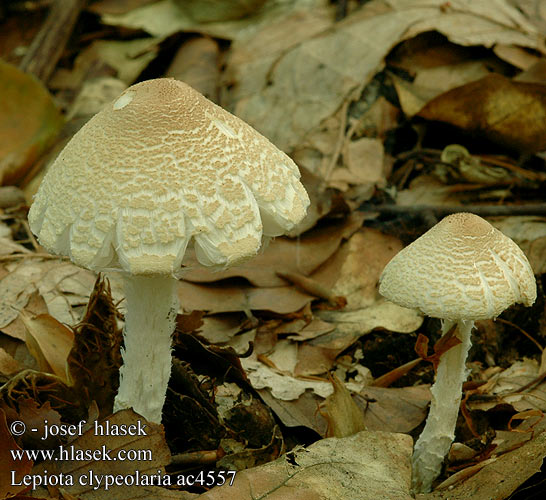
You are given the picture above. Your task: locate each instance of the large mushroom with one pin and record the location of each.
(157, 170)
(461, 270)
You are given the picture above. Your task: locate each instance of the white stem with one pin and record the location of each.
(152, 304)
(435, 440)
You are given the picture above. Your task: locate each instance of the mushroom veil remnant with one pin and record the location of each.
(461, 270)
(157, 170)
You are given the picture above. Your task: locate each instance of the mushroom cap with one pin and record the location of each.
(157, 167)
(461, 269)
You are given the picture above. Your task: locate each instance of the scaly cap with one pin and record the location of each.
(157, 167)
(462, 268)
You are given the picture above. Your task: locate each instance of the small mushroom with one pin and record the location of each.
(157, 170)
(461, 270)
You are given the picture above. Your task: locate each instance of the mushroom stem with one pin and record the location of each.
(151, 307)
(435, 440)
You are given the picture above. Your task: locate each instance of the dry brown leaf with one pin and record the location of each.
(498, 477)
(344, 416)
(311, 330)
(20, 468)
(471, 22)
(8, 365)
(116, 6)
(126, 57)
(36, 305)
(363, 164)
(509, 113)
(167, 17)
(516, 56)
(147, 445)
(506, 387)
(378, 464)
(11, 196)
(302, 255)
(428, 190)
(289, 92)
(530, 234)
(29, 122)
(18, 350)
(94, 94)
(436, 66)
(16, 289)
(223, 297)
(220, 328)
(50, 343)
(197, 63)
(366, 254)
(351, 325)
(61, 284)
(301, 412)
(314, 359)
(36, 418)
(394, 409)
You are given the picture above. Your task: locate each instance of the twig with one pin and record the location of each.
(48, 45)
(441, 211)
(509, 323)
(388, 378)
(193, 458)
(331, 164)
(30, 255)
(31, 236)
(313, 287)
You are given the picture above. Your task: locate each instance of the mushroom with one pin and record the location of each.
(157, 170)
(461, 270)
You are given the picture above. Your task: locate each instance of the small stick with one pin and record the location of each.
(205, 457)
(30, 255)
(312, 287)
(31, 236)
(509, 323)
(441, 211)
(48, 45)
(388, 378)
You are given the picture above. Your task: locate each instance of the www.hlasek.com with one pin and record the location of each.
(89, 478)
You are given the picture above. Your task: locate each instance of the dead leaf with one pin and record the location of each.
(147, 446)
(394, 409)
(378, 464)
(197, 63)
(509, 113)
(366, 253)
(287, 91)
(302, 255)
(507, 385)
(50, 343)
(8, 483)
(166, 17)
(446, 342)
(8, 365)
(220, 10)
(351, 325)
(344, 417)
(11, 196)
(224, 297)
(29, 122)
(530, 234)
(37, 417)
(498, 477)
(364, 161)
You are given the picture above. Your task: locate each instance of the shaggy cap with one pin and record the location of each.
(462, 268)
(157, 167)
